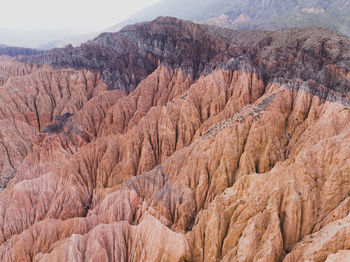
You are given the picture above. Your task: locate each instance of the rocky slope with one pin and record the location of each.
(173, 141)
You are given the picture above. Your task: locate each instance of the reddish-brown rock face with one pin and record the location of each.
(203, 144)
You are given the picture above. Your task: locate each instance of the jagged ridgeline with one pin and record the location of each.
(176, 141)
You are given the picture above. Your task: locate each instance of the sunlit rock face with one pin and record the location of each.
(173, 141)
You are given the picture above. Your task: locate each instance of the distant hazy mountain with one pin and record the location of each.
(42, 39)
(31, 38)
(236, 14)
(254, 14)
(74, 40)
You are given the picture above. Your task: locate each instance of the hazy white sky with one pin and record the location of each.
(77, 15)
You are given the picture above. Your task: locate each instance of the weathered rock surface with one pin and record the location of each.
(230, 146)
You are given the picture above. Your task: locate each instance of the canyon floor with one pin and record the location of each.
(174, 141)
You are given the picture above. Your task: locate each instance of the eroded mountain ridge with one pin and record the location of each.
(173, 141)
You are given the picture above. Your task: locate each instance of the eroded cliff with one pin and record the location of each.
(203, 144)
